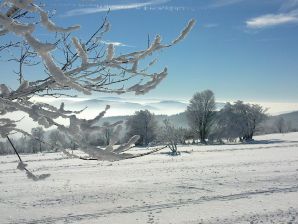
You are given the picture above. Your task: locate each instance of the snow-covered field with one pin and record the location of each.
(256, 183)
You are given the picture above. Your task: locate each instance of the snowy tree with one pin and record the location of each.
(69, 64)
(200, 114)
(240, 120)
(144, 124)
(57, 139)
(22, 144)
(228, 124)
(38, 137)
(3, 148)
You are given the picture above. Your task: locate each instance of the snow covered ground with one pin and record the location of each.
(255, 183)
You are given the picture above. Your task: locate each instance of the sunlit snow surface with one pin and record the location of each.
(255, 183)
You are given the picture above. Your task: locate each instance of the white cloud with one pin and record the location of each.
(270, 20)
(168, 8)
(211, 25)
(104, 8)
(117, 44)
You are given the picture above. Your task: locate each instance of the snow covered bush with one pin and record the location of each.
(171, 136)
(240, 120)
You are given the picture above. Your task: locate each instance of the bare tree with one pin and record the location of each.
(171, 136)
(200, 114)
(86, 67)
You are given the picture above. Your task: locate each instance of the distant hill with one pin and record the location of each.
(178, 120)
(291, 120)
(99, 103)
(123, 106)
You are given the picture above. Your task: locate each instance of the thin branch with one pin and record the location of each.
(15, 150)
(22, 166)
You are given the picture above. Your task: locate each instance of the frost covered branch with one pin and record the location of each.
(85, 66)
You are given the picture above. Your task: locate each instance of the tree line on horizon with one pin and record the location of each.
(237, 121)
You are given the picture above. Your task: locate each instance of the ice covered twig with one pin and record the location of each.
(185, 31)
(124, 147)
(103, 155)
(51, 26)
(81, 52)
(21, 4)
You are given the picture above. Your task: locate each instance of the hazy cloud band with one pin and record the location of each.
(104, 8)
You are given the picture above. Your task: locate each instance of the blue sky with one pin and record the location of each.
(240, 49)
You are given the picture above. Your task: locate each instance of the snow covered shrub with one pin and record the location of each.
(171, 137)
(240, 120)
